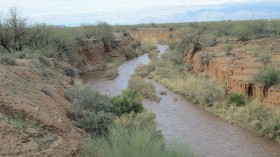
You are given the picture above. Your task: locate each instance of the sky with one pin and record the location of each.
(75, 12)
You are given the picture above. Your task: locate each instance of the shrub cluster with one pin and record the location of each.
(71, 72)
(269, 77)
(8, 61)
(205, 58)
(146, 89)
(237, 99)
(133, 135)
(129, 101)
(91, 110)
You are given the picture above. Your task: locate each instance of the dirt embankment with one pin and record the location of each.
(33, 120)
(236, 70)
(93, 54)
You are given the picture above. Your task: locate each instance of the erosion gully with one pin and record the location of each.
(181, 121)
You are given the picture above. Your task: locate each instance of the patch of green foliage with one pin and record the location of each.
(237, 99)
(129, 101)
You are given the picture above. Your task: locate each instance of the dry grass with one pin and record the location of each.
(147, 89)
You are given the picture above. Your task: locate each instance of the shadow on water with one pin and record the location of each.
(183, 121)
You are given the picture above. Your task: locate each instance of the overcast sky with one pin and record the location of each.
(112, 11)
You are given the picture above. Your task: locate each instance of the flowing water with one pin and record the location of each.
(180, 120)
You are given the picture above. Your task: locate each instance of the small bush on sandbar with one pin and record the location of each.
(128, 101)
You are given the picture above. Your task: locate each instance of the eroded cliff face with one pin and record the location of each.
(236, 71)
(93, 54)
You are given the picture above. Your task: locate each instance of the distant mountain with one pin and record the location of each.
(222, 12)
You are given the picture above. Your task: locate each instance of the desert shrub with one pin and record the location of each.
(264, 57)
(44, 61)
(198, 88)
(208, 91)
(243, 32)
(97, 124)
(206, 58)
(112, 69)
(22, 55)
(260, 118)
(122, 142)
(71, 72)
(128, 101)
(172, 46)
(228, 49)
(111, 74)
(173, 55)
(237, 99)
(189, 66)
(153, 54)
(129, 53)
(162, 42)
(212, 42)
(134, 44)
(8, 61)
(88, 99)
(146, 89)
(144, 70)
(268, 77)
(147, 47)
(144, 120)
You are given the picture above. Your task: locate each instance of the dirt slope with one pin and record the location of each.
(33, 121)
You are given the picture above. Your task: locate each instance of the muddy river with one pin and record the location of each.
(180, 120)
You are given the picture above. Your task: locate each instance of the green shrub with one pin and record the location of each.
(128, 101)
(146, 89)
(22, 55)
(243, 32)
(144, 70)
(212, 42)
(145, 120)
(112, 69)
(228, 49)
(258, 117)
(129, 53)
(8, 61)
(147, 47)
(264, 57)
(172, 46)
(268, 77)
(134, 44)
(237, 99)
(97, 124)
(88, 99)
(44, 61)
(153, 54)
(173, 55)
(71, 72)
(206, 58)
(122, 142)
(111, 74)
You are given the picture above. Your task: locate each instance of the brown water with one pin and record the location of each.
(180, 120)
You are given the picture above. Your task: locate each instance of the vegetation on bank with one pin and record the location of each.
(134, 49)
(119, 126)
(147, 89)
(201, 89)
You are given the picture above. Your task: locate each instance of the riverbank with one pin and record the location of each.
(183, 121)
(201, 89)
